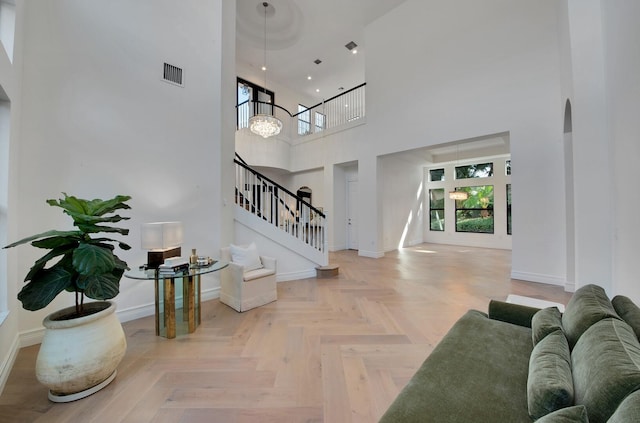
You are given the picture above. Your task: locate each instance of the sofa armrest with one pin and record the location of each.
(511, 313)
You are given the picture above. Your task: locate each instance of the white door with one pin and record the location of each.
(352, 215)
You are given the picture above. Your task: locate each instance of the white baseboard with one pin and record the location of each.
(292, 276)
(34, 336)
(7, 363)
(537, 277)
(371, 254)
(31, 337)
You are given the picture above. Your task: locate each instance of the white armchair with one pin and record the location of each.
(250, 281)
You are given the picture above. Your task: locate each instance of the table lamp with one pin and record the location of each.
(163, 240)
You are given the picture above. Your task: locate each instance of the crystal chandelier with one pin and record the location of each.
(264, 124)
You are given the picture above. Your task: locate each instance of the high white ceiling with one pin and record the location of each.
(301, 31)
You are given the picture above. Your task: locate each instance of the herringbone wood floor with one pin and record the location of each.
(333, 350)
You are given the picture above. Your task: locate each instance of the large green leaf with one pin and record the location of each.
(96, 207)
(95, 229)
(90, 259)
(102, 287)
(120, 243)
(58, 241)
(42, 261)
(52, 233)
(44, 287)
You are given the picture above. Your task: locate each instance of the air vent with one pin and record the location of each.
(350, 45)
(317, 61)
(173, 75)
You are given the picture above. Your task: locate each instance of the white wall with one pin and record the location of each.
(98, 121)
(622, 61)
(491, 69)
(591, 146)
(402, 191)
(10, 279)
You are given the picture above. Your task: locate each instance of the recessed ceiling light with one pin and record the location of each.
(317, 90)
(264, 68)
(309, 77)
(350, 46)
(354, 51)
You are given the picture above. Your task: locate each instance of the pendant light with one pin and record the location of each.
(457, 195)
(265, 125)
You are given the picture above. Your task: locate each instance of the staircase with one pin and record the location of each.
(276, 213)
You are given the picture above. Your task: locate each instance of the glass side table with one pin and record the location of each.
(166, 286)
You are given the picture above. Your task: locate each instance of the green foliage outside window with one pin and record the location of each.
(475, 214)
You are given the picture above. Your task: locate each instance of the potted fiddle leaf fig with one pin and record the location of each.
(83, 344)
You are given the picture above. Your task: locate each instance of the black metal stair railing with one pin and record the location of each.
(278, 206)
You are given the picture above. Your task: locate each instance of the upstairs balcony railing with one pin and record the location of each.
(339, 110)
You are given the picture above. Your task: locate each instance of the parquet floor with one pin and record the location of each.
(329, 350)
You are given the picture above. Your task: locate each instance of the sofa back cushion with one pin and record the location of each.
(606, 367)
(587, 306)
(544, 322)
(549, 384)
(628, 411)
(628, 311)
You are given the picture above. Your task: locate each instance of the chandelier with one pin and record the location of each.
(265, 125)
(458, 195)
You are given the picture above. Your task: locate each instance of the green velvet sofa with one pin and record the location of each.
(522, 364)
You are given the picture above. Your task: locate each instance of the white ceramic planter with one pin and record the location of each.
(79, 356)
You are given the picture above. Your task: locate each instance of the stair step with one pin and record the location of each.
(327, 271)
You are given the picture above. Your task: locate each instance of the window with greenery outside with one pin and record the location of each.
(475, 214)
(436, 209)
(480, 170)
(436, 175)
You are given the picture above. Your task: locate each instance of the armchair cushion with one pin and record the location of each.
(246, 257)
(257, 273)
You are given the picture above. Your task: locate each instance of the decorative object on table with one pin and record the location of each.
(193, 259)
(163, 240)
(82, 344)
(173, 266)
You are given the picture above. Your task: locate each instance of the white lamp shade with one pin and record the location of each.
(161, 235)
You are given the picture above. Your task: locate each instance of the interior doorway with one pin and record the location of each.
(352, 214)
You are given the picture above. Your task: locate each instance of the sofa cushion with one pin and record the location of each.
(575, 414)
(549, 385)
(606, 367)
(544, 322)
(628, 410)
(516, 314)
(258, 273)
(480, 361)
(587, 306)
(246, 257)
(628, 311)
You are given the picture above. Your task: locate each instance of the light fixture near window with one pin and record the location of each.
(457, 195)
(263, 124)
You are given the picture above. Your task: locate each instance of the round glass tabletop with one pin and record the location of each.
(151, 274)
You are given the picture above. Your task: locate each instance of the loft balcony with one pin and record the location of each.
(337, 112)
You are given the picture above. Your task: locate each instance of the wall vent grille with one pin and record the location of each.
(172, 74)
